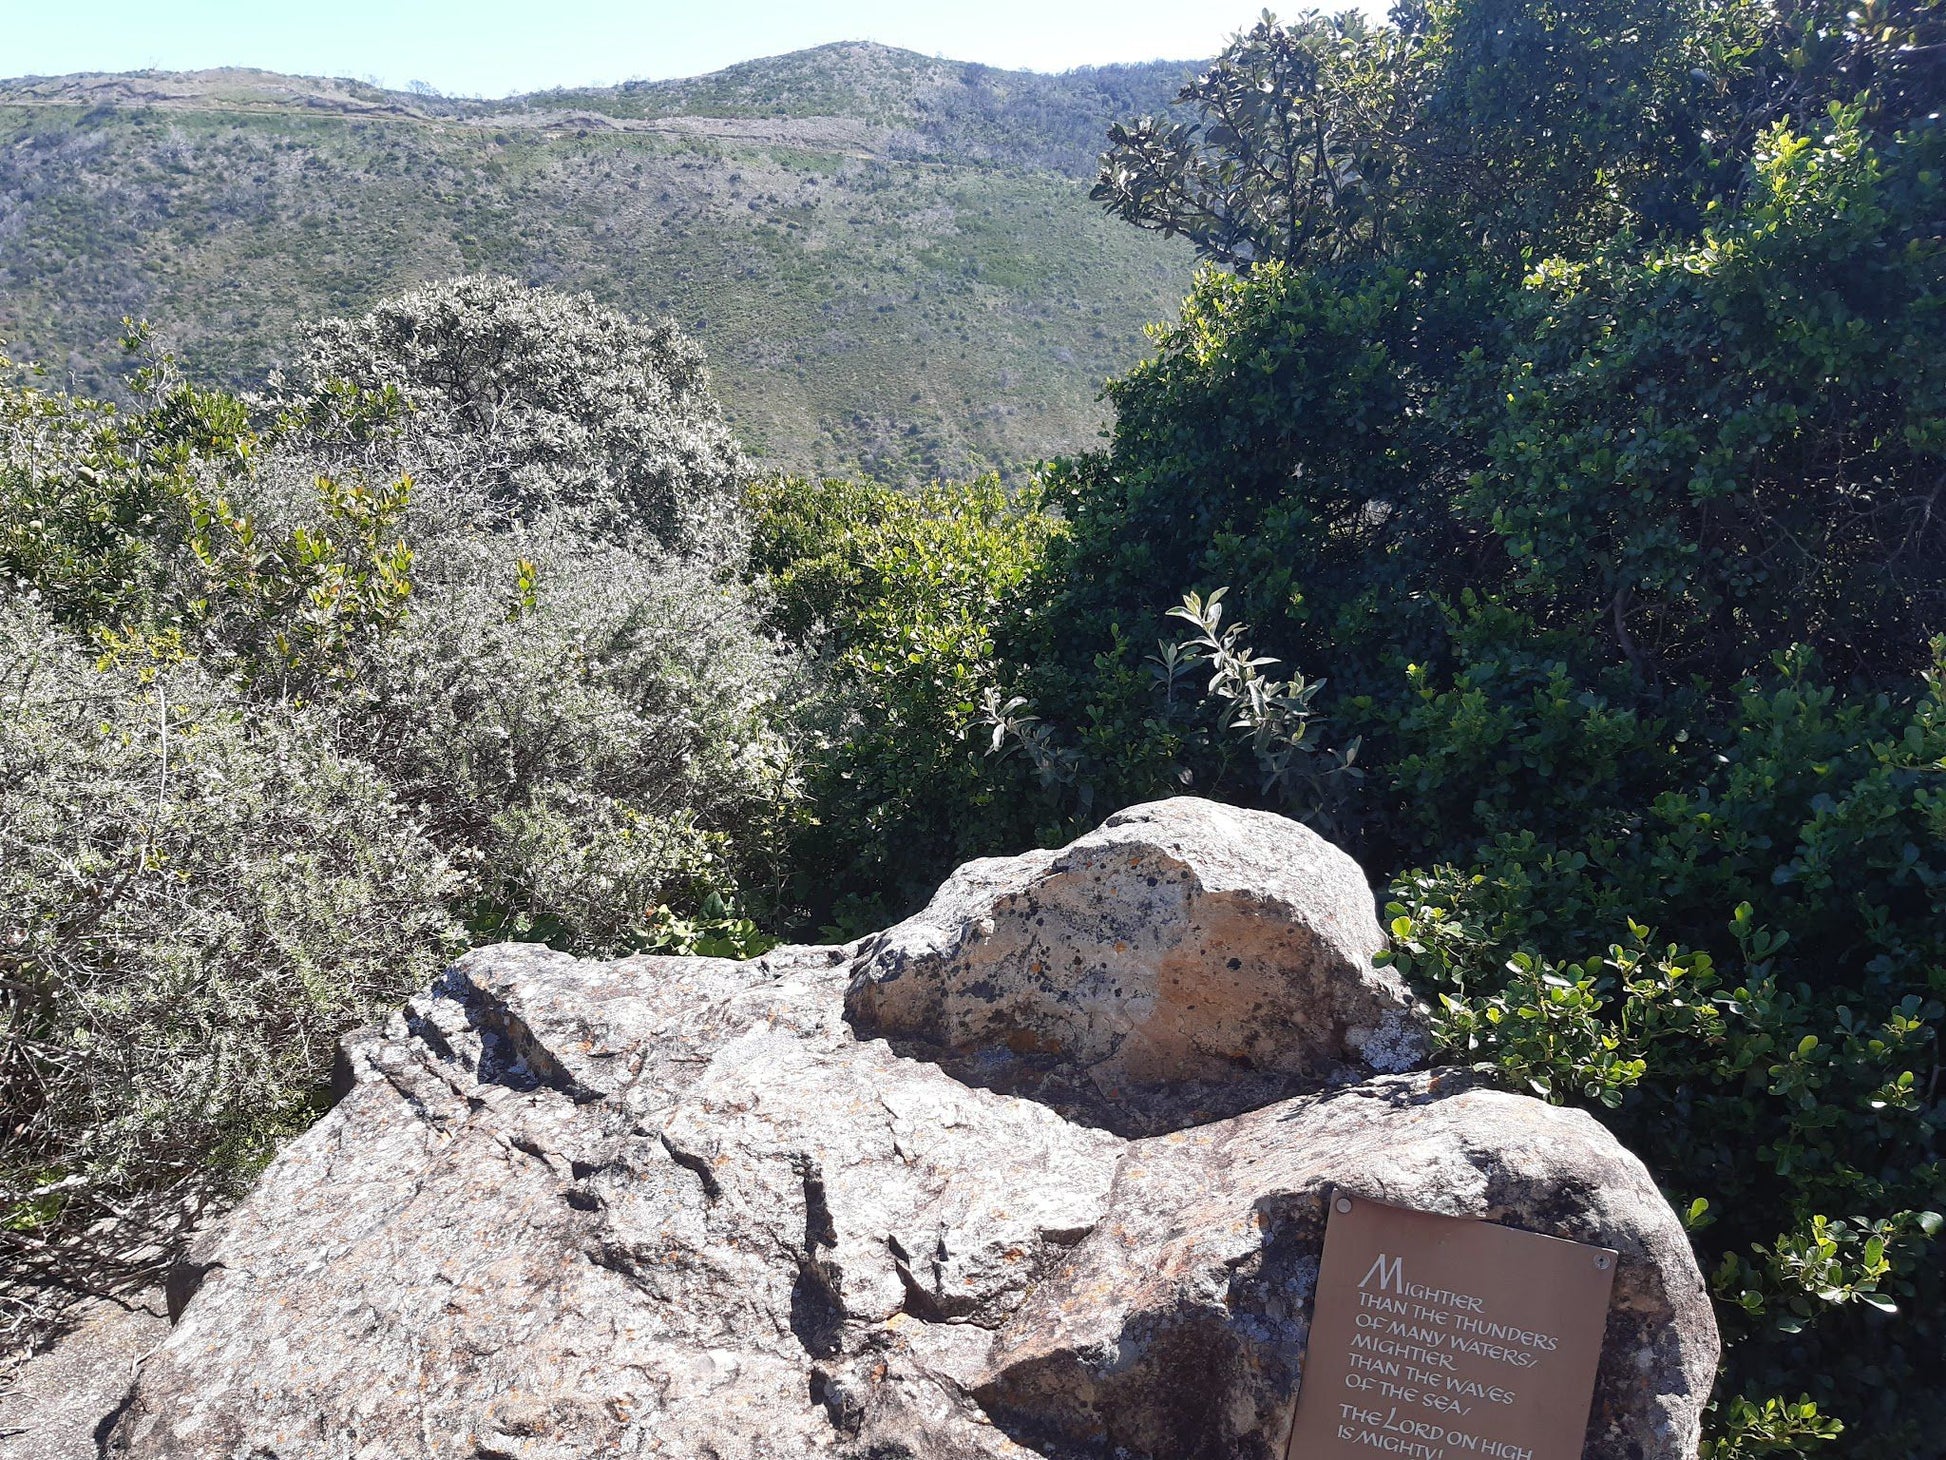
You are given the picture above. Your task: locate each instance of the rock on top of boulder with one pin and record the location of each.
(1184, 962)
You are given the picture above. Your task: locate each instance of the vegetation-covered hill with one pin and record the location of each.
(891, 260)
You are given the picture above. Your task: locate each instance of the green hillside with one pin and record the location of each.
(892, 260)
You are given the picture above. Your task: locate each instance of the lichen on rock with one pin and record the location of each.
(1186, 961)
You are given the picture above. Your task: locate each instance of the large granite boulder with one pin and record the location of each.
(1186, 961)
(689, 1207)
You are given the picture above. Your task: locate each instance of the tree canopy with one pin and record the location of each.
(1508, 127)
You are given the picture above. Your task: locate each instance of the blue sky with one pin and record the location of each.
(492, 47)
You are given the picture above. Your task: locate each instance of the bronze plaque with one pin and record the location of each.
(1437, 1338)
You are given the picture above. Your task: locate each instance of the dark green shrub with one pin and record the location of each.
(1625, 567)
(896, 594)
(1745, 971)
(93, 516)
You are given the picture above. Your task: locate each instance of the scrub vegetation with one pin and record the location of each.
(1539, 491)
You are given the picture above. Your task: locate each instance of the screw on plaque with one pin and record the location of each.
(1344, 1203)
(1602, 1262)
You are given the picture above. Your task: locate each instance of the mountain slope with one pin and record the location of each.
(891, 259)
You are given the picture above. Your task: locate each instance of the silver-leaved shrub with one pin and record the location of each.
(196, 899)
(587, 747)
(515, 404)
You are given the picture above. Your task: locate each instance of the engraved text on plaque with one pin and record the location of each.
(1438, 1338)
